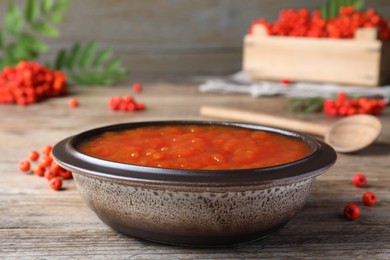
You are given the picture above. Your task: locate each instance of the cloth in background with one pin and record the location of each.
(239, 83)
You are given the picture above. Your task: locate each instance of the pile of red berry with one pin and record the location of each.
(345, 106)
(46, 167)
(30, 82)
(301, 23)
(352, 211)
(126, 103)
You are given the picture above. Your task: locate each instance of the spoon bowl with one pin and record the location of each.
(353, 133)
(347, 135)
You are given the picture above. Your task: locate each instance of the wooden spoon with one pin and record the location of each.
(350, 134)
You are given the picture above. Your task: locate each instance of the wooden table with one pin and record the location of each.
(36, 222)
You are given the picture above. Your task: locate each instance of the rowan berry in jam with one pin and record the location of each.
(351, 211)
(359, 180)
(369, 198)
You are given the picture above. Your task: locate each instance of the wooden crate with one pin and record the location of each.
(362, 61)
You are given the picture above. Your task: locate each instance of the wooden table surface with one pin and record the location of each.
(38, 223)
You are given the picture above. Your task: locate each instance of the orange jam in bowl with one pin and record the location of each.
(196, 147)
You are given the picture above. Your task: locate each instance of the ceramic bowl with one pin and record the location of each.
(193, 207)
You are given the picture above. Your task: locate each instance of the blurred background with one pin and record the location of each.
(172, 38)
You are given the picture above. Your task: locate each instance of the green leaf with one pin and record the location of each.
(85, 66)
(1, 39)
(60, 61)
(56, 17)
(101, 57)
(13, 19)
(32, 10)
(358, 4)
(332, 8)
(76, 78)
(74, 56)
(314, 105)
(60, 6)
(114, 65)
(46, 6)
(324, 12)
(19, 51)
(6, 60)
(45, 29)
(307, 105)
(87, 55)
(32, 43)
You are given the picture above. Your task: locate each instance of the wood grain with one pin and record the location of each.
(38, 223)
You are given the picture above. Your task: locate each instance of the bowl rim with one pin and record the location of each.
(322, 156)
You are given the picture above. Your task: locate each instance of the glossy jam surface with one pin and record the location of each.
(198, 147)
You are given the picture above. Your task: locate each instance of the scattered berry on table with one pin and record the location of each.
(126, 103)
(73, 102)
(137, 87)
(39, 171)
(359, 180)
(45, 162)
(352, 211)
(24, 165)
(46, 167)
(33, 155)
(369, 198)
(49, 174)
(285, 82)
(46, 150)
(345, 106)
(56, 183)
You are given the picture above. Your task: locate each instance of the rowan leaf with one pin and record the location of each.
(32, 10)
(56, 17)
(113, 65)
(87, 54)
(46, 6)
(1, 39)
(358, 4)
(332, 8)
(74, 56)
(60, 6)
(32, 42)
(84, 65)
(60, 61)
(101, 57)
(45, 28)
(13, 19)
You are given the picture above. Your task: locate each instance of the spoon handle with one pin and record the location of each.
(264, 119)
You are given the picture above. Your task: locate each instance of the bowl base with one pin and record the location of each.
(199, 240)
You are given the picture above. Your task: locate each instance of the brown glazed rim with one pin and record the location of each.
(322, 156)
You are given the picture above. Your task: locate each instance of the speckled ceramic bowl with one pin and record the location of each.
(193, 207)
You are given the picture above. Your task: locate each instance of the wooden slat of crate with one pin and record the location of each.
(343, 61)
